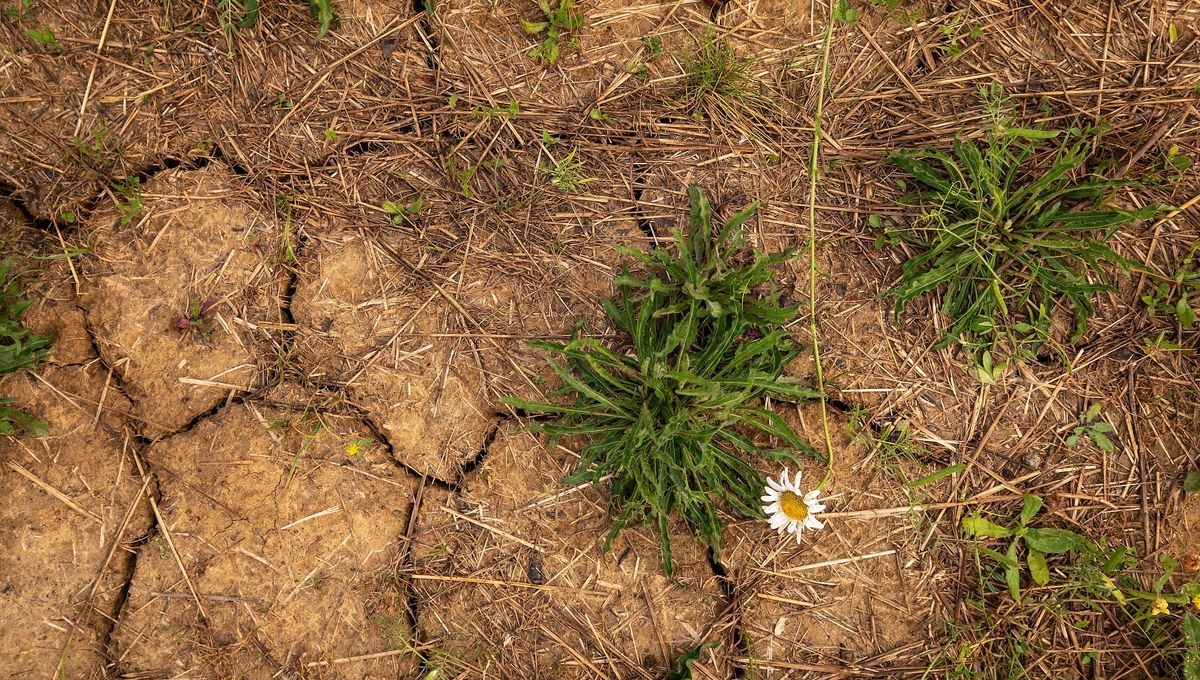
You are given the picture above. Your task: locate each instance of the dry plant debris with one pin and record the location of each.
(245, 337)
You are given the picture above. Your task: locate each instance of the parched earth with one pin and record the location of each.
(278, 447)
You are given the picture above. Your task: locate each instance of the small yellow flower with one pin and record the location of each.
(1196, 601)
(1160, 606)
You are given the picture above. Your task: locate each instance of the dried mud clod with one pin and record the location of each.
(510, 574)
(180, 294)
(424, 321)
(281, 529)
(74, 509)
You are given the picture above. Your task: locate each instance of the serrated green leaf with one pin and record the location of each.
(1037, 567)
(1030, 507)
(1012, 572)
(1191, 483)
(1054, 541)
(977, 527)
(1102, 441)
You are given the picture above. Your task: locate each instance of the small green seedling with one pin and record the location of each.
(1037, 541)
(599, 116)
(237, 14)
(1175, 161)
(131, 190)
(565, 173)
(402, 213)
(44, 37)
(557, 22)
(96, 148)
(987, 371)
(322, 11)
(198, 318)
(844, 13)
(1096, 430)
(20, 348)
(510, 111)
(720, 81)
(21, 12)
(954, 40)
(1170, 298)
(653, 46)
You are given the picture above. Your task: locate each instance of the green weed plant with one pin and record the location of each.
(671, 415)
(1003, 239)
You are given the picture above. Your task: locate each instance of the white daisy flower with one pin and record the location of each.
(788, 509)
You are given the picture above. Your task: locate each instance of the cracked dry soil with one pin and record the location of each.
(277, 443)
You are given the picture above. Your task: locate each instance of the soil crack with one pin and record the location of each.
(732, 609)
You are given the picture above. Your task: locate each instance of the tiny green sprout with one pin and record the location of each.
(402, 213)
(237, 14)
(653, 46)
(331, 134)
(1176, 161)
(599, 116)
(44, 37)
(720, 81)
(21, 348)
(282, 102)
(322, 11)
(556, 23)
(1160, 343)
(844, 13)
(21, 12)
(987, 371)
(548, 140)
(452, 101)
(67, 217)
(131, 190)
(510, 111)
(1095, 429)
(566, 174)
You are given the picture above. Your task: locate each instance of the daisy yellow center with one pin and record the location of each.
(793, 505)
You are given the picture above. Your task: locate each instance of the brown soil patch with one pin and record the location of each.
(513, 576)
(180, 292)
(286, 521)
(72, 521)
(383, 514)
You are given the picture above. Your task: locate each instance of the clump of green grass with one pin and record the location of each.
(19, 348)
(670, 414)
(1004, 241)
(720, 81)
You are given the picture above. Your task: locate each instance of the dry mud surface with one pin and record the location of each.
(278, 447)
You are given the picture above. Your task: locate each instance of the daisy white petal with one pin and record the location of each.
(788, 508)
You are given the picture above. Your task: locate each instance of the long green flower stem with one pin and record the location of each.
(813, 175)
